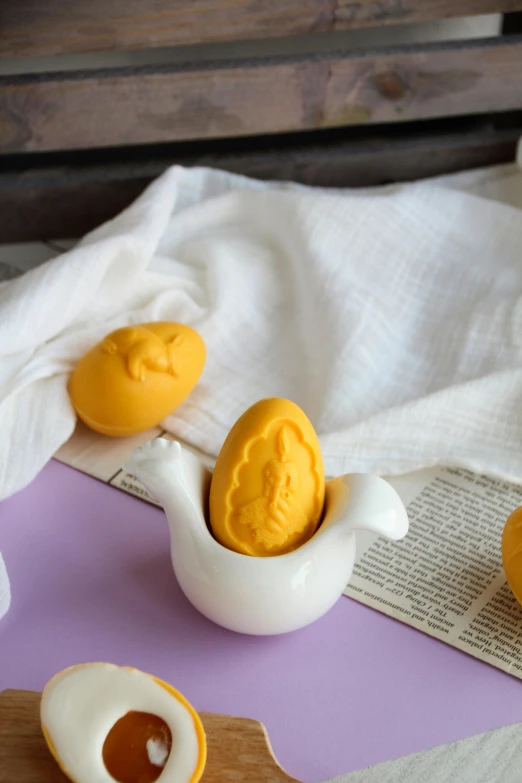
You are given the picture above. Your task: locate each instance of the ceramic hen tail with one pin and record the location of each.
(155, 463)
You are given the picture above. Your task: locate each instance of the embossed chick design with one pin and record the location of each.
(145, 348)
(277, 515)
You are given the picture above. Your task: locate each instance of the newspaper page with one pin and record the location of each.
(102, 457)
(446, 577)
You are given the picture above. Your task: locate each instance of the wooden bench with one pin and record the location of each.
(278, 89)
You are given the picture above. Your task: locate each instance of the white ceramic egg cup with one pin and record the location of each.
(262, 595)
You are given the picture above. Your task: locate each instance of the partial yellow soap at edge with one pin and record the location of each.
(268, 487)
(512, 552)
(136, 376)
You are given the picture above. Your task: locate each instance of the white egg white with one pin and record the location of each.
(80, 706)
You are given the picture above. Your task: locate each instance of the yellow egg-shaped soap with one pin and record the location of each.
(267, 490)
(136, 376)
(105, 723)
(512, 552)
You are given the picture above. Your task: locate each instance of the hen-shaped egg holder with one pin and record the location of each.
(262, 595)
(135, 377)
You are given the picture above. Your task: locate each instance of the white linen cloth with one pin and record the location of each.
(392, 316)
(5, 589)
(493, 757)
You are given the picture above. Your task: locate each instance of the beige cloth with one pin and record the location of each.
(494, 757)
(5, 589)
(392, 316)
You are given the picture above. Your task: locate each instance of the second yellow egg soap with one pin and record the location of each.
(136, 376)
(267, 491)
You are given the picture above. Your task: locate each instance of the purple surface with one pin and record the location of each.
(91, 580)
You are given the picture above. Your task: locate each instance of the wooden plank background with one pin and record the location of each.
(47, 27)
(130, 106)
(67, 199)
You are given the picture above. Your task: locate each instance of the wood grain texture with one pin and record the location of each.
(126, 107)
(238, 748)
(67, 200)
(36, 28)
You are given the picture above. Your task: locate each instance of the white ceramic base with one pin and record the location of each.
(268, 595)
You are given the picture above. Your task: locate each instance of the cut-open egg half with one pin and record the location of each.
(106, 723)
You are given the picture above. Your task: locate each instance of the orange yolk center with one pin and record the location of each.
(137, 748)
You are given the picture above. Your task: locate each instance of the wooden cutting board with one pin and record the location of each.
(238, 748)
